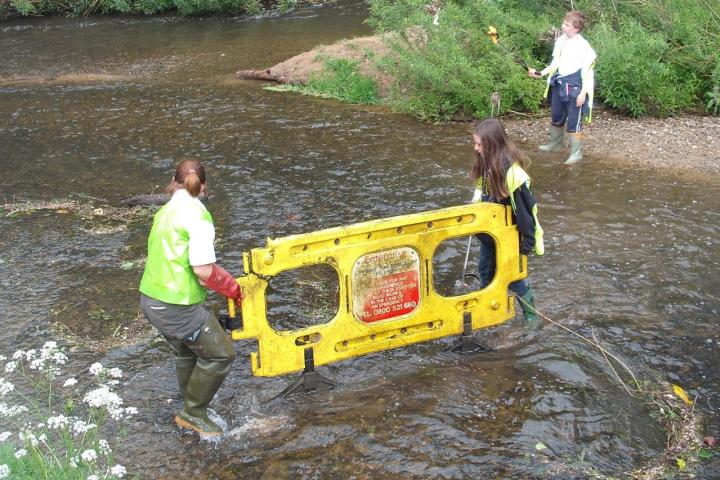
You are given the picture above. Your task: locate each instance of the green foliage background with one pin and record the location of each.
(655, 57)
(147, 7)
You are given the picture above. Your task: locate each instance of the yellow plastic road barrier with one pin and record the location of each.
(386, 294)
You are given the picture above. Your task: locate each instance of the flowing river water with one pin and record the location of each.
(97, 110)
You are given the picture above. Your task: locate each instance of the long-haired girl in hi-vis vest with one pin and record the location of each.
(500, 178)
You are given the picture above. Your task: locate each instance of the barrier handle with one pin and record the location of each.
(231, 308)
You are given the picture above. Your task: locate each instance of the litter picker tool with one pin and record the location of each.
(495, 37)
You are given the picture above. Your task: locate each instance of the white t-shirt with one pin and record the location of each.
(570, 55)
(201, 248)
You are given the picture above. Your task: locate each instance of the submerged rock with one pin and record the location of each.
(146, 200)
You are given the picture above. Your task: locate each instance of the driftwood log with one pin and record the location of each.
(152, 200)
(266, 75)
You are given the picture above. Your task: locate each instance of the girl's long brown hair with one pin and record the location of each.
(190, 175)
(498, 153)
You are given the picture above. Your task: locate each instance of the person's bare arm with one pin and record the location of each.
(203, 272)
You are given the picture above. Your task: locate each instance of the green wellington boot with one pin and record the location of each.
(555, 144)
(215, 356)
(183, 368)
(527, 303)
(575, 148)
(199, 392)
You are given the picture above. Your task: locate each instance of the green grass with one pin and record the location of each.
(340, 80)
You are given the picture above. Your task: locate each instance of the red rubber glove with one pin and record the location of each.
(224, 283)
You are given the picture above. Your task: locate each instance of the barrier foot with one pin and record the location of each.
(309, 380)
(467, 343)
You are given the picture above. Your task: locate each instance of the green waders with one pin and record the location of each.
(184, 365)
(212, 354)
(557, 135)
(527, 303)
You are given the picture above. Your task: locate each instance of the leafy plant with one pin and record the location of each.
(713, 97)
(285, 6)
(23, 7)
(634, 74)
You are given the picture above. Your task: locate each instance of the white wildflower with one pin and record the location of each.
(4, 436)
(80, 428)
(74, 461)
(102, 397)
(18, 354)
(5, 387)
(115, 373)
(118, 470)
(96, 368)
(116, 413)
(37, 364)
(51, 345)
(4, 471)
(29, 355)
(93, 477)
(3, 358)
(131, 411)
(59, 358)
(89, 455)
(28, 437)
(42, 437)
(20, 453)
(70, 382)
(60, 421)
(10, 367)
(104, 447)
(12, 411)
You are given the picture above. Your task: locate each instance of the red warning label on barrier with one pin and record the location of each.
(386, 284)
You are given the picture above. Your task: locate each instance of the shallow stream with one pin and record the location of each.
(97, 110)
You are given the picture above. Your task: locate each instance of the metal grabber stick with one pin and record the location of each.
(467, 255)
(464, 274)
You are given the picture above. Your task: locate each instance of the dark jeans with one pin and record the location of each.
(486, 266)
(566, 112)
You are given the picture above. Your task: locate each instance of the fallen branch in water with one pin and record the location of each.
(260, 75)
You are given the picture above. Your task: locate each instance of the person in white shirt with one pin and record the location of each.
(570, 82)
